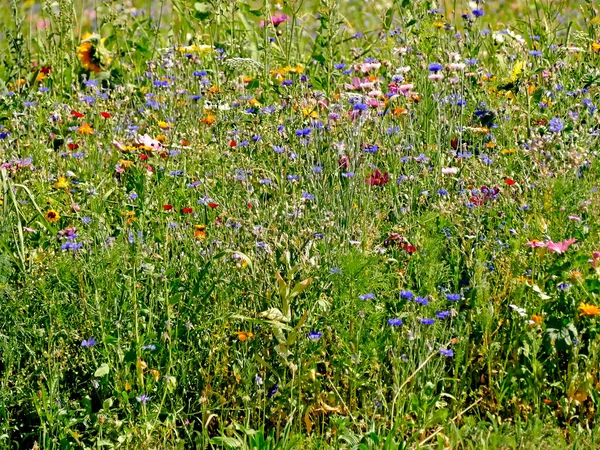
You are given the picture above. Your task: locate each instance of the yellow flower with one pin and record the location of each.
(62, 183)
(40, 76)
(87, 54)
(508, 151)
(85, 129)
(588, 310)
(164, 125)
(52, 216)
(595, 47)
(537, 319)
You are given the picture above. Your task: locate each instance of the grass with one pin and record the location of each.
(361, 225)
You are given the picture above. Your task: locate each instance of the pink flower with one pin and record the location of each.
(276, 19)
(449, 170)
(147, 141)
(535, 244)
(560, 247)
(594, 260)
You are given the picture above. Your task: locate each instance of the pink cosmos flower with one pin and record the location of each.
(358, 84)
(560, 247)
(147, 141)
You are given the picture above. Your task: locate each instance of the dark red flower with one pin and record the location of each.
(143, 157)
(167, 207)
(188, 210)
(213, 205)
(232, 144)
(378, 179)
(72, 146)
(45, 70)
(105, 115)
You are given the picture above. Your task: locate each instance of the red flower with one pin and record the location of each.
(409, 248)
(167, 207)
(77, 114)
(213, 205)
(249, 205)
(105, 115)
(45, 70)
(509, 181)
(378, 179)
(232, 143)
(188, 210)
(184, 143)
(72, 146)
(163, 155)
(143, 157)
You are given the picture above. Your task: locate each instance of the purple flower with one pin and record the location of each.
(435, 67)
(315, 335)
(427, 321)
(142, 398)
(453, 297)
(556, 125)
(151, 347)
(395, 322)
(448, 353)
(273, 390)
(89, 343)
(422, 301)
(368, 296)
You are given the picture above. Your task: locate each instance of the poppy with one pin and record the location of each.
(509, 181)
(213, 205)
(105, 115)
(188, 210)
(167, 207)
(77, 114)
(72, 146)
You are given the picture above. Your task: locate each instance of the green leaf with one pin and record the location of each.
(102, 370)
(300, 287)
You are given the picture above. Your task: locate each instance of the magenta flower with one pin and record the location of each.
(594, 260)
(276, 19)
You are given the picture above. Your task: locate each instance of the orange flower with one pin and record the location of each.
(199, 232)
(537, 319)
(85, 129)
(588, 310)
(208, 120)
(244, 335)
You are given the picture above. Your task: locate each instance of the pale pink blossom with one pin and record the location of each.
(560, 247)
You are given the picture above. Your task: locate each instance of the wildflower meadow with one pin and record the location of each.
(299, 224)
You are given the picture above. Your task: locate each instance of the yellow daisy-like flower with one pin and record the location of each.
(595, 47)
(62, 183)
(588, 310)
(52, 216)
(200, 232)
(164, 125)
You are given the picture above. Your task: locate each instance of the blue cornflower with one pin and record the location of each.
(453, 297)
(278, 149)
(435, 67)
(339, 66)
(149, 347)
(293, 177)
(303, 132)
(133, 195)
(407, 295)
(427, 321)
(308, 196)
(273, 390)
(422, 301)
(442, 314)
(86, 220)
(535, 53)
(368, 296)
(478, 12)
(395, 322)
(442, 192)
(335, 270)
(360, 107)
(563, 286)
